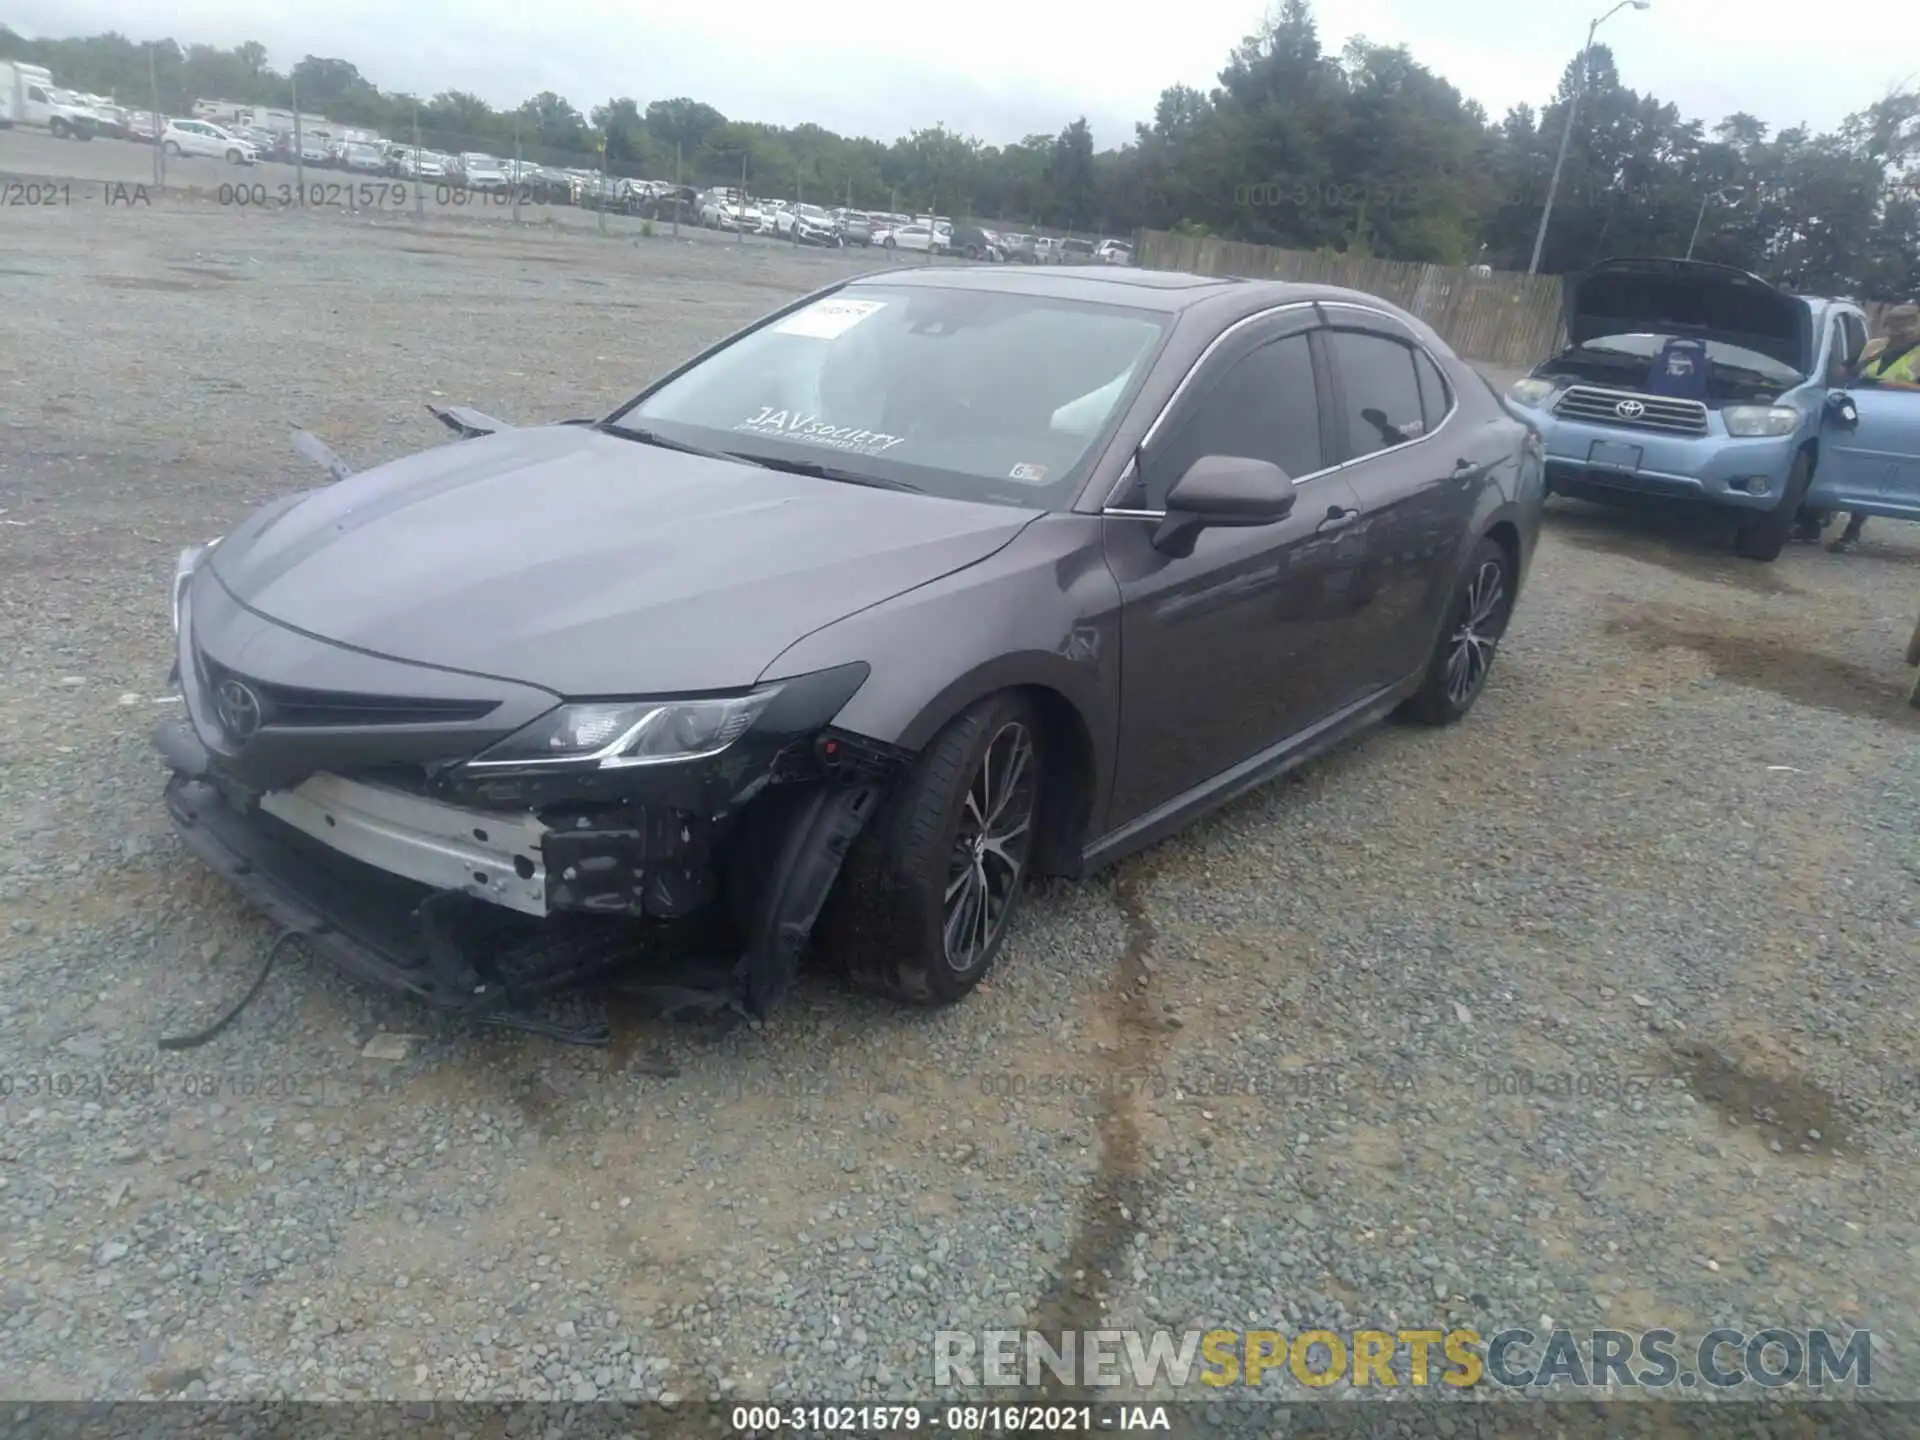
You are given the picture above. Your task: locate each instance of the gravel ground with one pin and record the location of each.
(1663, 879)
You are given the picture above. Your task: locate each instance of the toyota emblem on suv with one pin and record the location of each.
(238, 708)
(1629, 409)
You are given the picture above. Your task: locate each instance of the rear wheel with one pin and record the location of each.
(887, 244)
(172, 147)
(1765, 536)
(929, 891)
(1477, 618)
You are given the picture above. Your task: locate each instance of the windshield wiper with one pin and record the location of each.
(653, 437)
(826, 472)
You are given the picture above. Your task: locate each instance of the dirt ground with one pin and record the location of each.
(1598, 1008)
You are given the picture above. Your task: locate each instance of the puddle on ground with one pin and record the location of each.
(1796, 1113)
(1805, 677)
(1670, 542)
(1077, 1297)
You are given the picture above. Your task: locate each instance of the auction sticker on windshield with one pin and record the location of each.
(798, 425)
(829, 319)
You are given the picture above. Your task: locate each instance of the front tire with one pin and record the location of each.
(172, 147)
(57, 128)
(1476, 619)
(929, 892)
(887, 244)
(1764, 537)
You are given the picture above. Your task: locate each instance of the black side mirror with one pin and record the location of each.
(1227, 490)
(1841, 410)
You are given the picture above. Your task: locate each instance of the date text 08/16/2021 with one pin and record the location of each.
(952, 1419)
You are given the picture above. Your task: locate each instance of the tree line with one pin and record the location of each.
(1361, 151)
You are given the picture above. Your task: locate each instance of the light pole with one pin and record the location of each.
(1566, 135)
(1700, 218)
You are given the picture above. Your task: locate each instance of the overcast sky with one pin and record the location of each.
(1000, 69)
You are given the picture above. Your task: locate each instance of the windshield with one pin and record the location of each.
(1639, 345)
(972, 394)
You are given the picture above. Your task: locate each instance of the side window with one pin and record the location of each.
(1382, 391)
(36, 94)
(1842, 355)
(1856, 336)
(1435, 398)
(1263, 406)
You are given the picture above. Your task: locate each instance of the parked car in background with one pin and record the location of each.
(1113, 252)
(1692, 381)
(856, 226)
(143, 126)
(808, 225)
(363, 159)
(1018, 247)
(482, 172)
(974, 243)
(1074, 251)
(1046, 250)
(926, 585)
(110, 120)
(910, 237)
(204, 139)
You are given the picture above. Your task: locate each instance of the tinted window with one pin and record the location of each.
(1434, 400)
(1263, 407)
(1382, 406)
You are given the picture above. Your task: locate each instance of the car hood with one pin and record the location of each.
(1692, 298)
(563, 557)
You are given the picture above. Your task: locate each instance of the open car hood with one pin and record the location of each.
(1692, 298)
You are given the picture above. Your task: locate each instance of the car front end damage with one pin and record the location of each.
(478, 844)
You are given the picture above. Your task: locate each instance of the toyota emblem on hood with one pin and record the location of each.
(1629, 409)
(238, 708)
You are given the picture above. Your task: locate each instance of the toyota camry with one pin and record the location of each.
(924, 585)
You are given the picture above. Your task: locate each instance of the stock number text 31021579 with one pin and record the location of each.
(319, 195)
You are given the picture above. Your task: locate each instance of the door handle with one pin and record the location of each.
(1337, 519)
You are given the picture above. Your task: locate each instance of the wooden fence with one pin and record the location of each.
(1504, 318)
(1498, 319)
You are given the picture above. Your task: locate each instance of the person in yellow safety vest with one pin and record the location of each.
(1890, 362)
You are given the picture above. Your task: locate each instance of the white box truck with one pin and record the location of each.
(29, 97)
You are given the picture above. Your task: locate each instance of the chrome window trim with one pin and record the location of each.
(1132, 470)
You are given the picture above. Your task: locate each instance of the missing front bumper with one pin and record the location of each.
(388, 884)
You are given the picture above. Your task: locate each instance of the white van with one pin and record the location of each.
(29, 97)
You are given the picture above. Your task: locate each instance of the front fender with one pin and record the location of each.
(1044, 612)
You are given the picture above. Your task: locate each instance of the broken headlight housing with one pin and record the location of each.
(616, 734)
(183, 572)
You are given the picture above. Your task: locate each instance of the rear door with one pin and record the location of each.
(1415, 475)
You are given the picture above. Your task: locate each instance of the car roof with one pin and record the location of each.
(1170, 291)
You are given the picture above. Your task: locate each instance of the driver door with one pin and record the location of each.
(1871, 467)
(1245, 642)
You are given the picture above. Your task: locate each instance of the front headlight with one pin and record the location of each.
(1750, 420)
(616, 734)
(1530, 392)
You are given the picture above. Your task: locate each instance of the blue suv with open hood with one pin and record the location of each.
(1691, 380)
